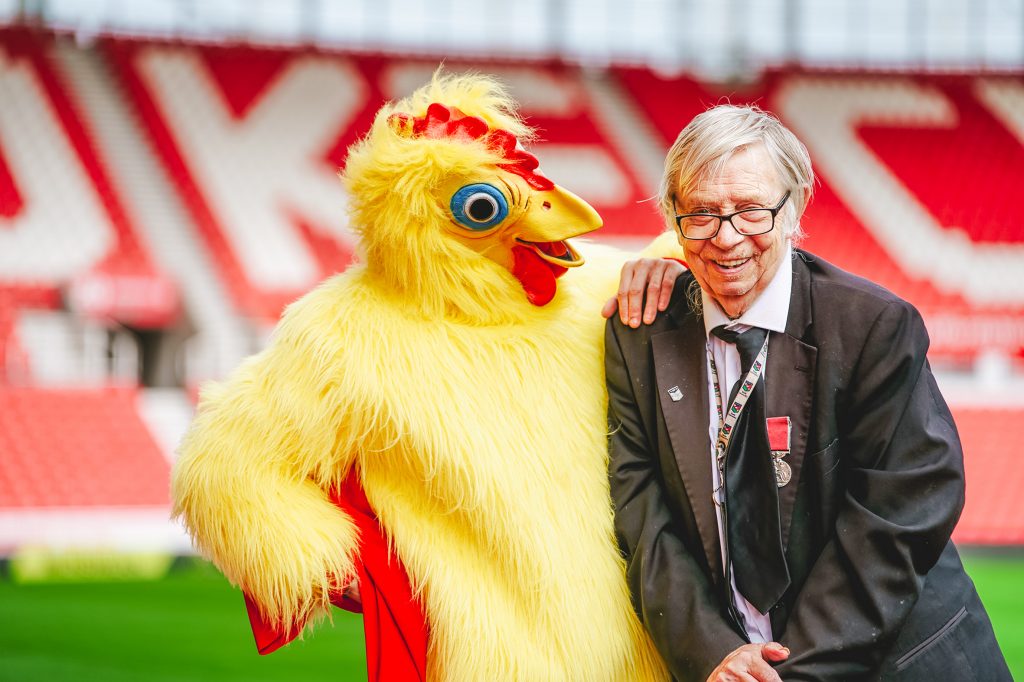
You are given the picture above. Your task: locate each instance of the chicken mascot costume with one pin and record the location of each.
(431, 424)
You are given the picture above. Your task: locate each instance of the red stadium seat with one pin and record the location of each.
(993, 514)
(60, 211)
(252, 164)
(77, 448)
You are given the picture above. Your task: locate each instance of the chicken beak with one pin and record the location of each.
(552, 217)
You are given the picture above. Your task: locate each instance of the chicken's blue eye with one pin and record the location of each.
(479, 206)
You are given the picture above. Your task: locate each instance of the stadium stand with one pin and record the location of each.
(77, 448)
(914, 191)
(205, 175)
(64, 220)
(204, 106)
(993, 514)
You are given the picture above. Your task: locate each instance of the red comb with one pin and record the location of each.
(441, 121)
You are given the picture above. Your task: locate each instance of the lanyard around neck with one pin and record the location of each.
(727, 421)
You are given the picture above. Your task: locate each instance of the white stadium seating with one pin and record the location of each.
(213, 169)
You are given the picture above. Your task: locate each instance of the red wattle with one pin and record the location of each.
(536, 275)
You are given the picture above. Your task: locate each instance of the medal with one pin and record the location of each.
(779, 442)
(783, 472)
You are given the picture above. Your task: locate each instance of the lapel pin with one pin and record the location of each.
(675, 394)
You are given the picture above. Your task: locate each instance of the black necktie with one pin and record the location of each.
(751, 493)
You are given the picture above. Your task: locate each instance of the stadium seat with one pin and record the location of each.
(60, 212)
(77, 448)
(993, 514)
(67, 447)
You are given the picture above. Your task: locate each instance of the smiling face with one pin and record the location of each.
(731, 268)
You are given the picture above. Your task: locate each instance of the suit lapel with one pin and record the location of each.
(680, 368)
(680, 363)
(790, 377)
(790, 380)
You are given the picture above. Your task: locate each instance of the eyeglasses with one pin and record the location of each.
(748, 222)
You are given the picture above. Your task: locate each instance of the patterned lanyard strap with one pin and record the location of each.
(726, 422)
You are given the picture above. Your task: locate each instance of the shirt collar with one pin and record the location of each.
(769, 311)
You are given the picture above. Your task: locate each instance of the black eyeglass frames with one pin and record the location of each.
(749, 222)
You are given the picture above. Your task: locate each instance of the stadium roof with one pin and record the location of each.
(717, 40)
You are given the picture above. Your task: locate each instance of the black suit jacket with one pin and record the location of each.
(878, 591)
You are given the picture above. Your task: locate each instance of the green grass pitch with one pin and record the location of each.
(191, 625)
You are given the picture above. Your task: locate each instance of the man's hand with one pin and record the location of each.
(352, 591)
(750, 662)
(654, 276)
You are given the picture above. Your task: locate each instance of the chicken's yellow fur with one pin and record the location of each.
(475, 420)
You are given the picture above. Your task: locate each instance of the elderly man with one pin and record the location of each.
(785, 472)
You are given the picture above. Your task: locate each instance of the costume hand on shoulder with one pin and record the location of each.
(654, 277)
(750, 661)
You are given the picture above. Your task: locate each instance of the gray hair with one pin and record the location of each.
(711, 138)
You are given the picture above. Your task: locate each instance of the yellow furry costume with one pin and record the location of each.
(474, 419)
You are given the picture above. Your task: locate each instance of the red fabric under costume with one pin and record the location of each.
(393, 621)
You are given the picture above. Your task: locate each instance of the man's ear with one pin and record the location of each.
(805, 192)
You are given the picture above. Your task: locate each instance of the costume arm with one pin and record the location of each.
(903, 493)
(249, 482)
(671, 594)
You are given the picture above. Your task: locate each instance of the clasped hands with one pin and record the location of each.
(750, 663)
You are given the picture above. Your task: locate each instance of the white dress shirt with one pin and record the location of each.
(769, 311)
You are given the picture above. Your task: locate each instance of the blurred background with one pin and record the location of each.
(168, 183)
